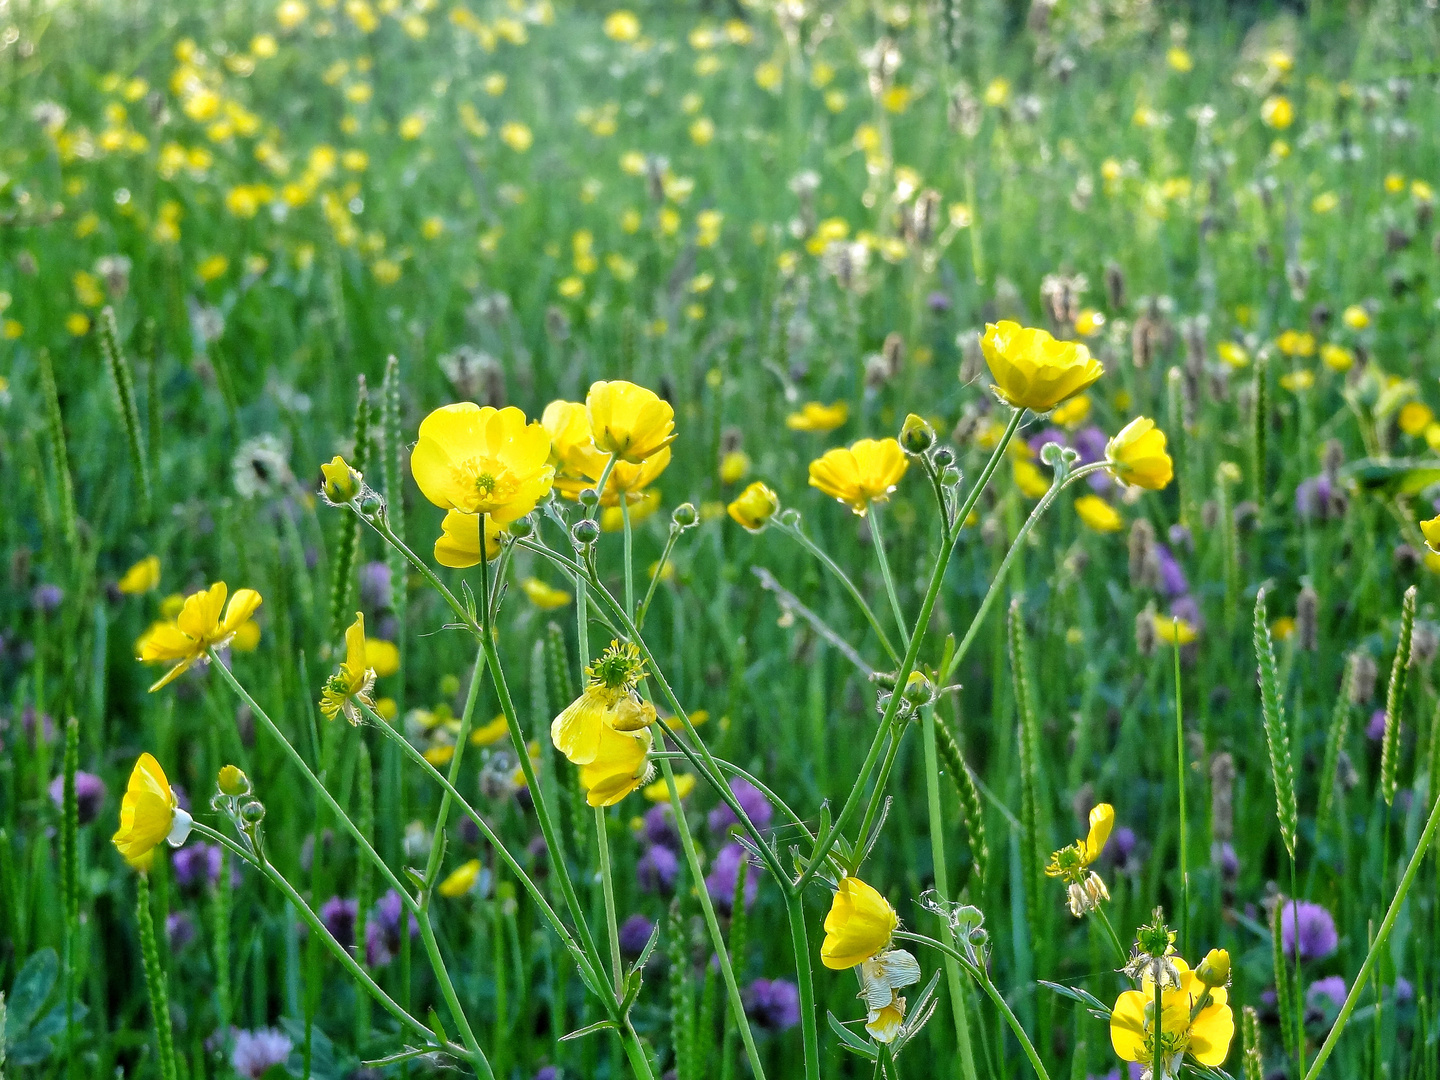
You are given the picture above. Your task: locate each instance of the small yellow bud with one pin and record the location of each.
(233, 782)
(342, 483)
(916, 435)
(1214, 970)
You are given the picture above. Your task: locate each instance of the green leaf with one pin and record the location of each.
(1084, 997)
(603, 1025)
(851, 1041)
(31, 990)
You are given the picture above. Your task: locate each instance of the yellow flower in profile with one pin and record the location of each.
(1137, 455)
(1336, 357)
(355, 679)
(1173, 630)
(482, 461)
(460, 881)
(866, 472)
(814, 416)
(621, 764)
(198, 628)
(622, 26)
(1185, 1027)
(340, 483)
(754, 506)
(382, 655)
(543, 596)
(1073, 413)
(629, 421)
(1232, 354)
(140, 578)
(1034, 371)
(458, 546)
(733, 467)
(491, 733)
(1277, 112)
(149, 813)
(858, 926)
(608, 702)
(1098, 514)
(659, 791)
(641, 505)
(1431, 531)
(1029, 479)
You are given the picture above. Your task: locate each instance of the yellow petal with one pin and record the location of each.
(858, 926)
(1102, 819)
(1127, 1026)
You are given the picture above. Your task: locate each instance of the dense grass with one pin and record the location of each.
(687, 209)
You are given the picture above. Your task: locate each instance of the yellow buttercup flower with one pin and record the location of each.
(1084, 887)
(621, 764)
(608, 701)
(482, 461)
(1205, 1038)
(382, 655)
(859, 925)
(459, 543)
(1277, 112)
(1098, 514)
(866, 472)
(341, 482)
(1233, 354)
(579, 464)
(1336, 357)
(149, 813)
(355, 679)
(1073, 413)
(1029, 479)
(659, 791)
(1431, 531)
(491, 733)
(1415, 417)
(198, 628)
(1137, 455)
(754, 506)
(629, 421)
(1355, 317)
(543, 596)
(140, 578)
(1174, 631)
(816, 417)
(460, 881)
(1034, 371)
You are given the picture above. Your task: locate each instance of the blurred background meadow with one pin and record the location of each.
(218, 223)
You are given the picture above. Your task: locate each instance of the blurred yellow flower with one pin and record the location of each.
(1233, 354)
(141, 578)
(769, 75)
(1032, 370)
(1137, 455)
(1173, 630)
(355, 679)
(1179, 59)
(622, 26)
(1298, 381)
(212, 267)
(482, 461)
(1029, 479)
(1356, 317)
(1089, 322)
(629, 421)
(754, 506)
(998, 92)
(1415, 417)
(1277, 112)
(866, 472)
(460, 881)
(412, 127)
(516, 136)
(858, 926)
(1072, 413)
(78, 323)
(543, 596)
(702, 131)
(1295, 343)
(1098, 514)
(813, 416)
(659, 791)
(734, 466)
(1325, 202)
(1431, 531)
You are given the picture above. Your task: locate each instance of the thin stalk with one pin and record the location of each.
(629, 561)
(670, 539)
(809, 545)
(437, 849)
(1299, 986)
(982, 978)
(885, 574)
(617, 968)
(427, 934)
(1114, 937)
(1180, 780)
(1035, 515)
(1376, 947)
(382, 526)
(692, 859)
(317, 926)
(804, 976)
(600, 485)
(942, 889)
(873, 807)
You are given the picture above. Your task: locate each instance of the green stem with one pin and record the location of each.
(608, 887)
(982, 979)
(692, 860)
(670, 539)
(800, 944)
(1180, 780)
(731, 767)
(1120, 952)
(942, 890)
(1056, 486)
(873, 806)
(1299, 992)
(427, 933)
(437, 848)
(885, 574)
(382, 526)
(809, 545)
(155, 979)
(629, 562)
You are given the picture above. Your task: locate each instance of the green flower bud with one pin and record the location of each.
(916, 436)
(233, 782)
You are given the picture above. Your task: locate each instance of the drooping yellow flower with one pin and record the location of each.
(754, 506)
(458, 545)
(491, 733)
(579, 464)
(858, 926)
(1098, 514)
(621, 764)
(355, 679)
(629, 421)
(1137, 455)
(1431, 531)
(543, 596)
(608, 701)
(149, 813)
(866, 472)
(482, 461)
(141, 578)
(1071, 864)
(460, 881)
(198, 628)
(814, 416)
(1206, 1038)
(1034, 371)
(659, 791)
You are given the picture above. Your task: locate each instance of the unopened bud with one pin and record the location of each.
(252, 813)
(342, 483)
(685, 515)
(919, 691)
(943, 457)
(916, 436)
(589, 497)
(521, 527)
(1214, 970)
(754, 506)
(371, 505)
(233, 782)
(585, 532)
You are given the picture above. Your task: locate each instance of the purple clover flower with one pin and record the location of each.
(657, 870)
(724, 872)
(755, 805)
(339, 916)
(179, 930)
(196, 864)
(382, 929)
(773, 1004)
(259, 1050)
(1375, 729)
(634, 935)
(89, 795)
(1312, 925)
(659, 826)
(1332, 988)
(1172, 577)
(375, 589)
